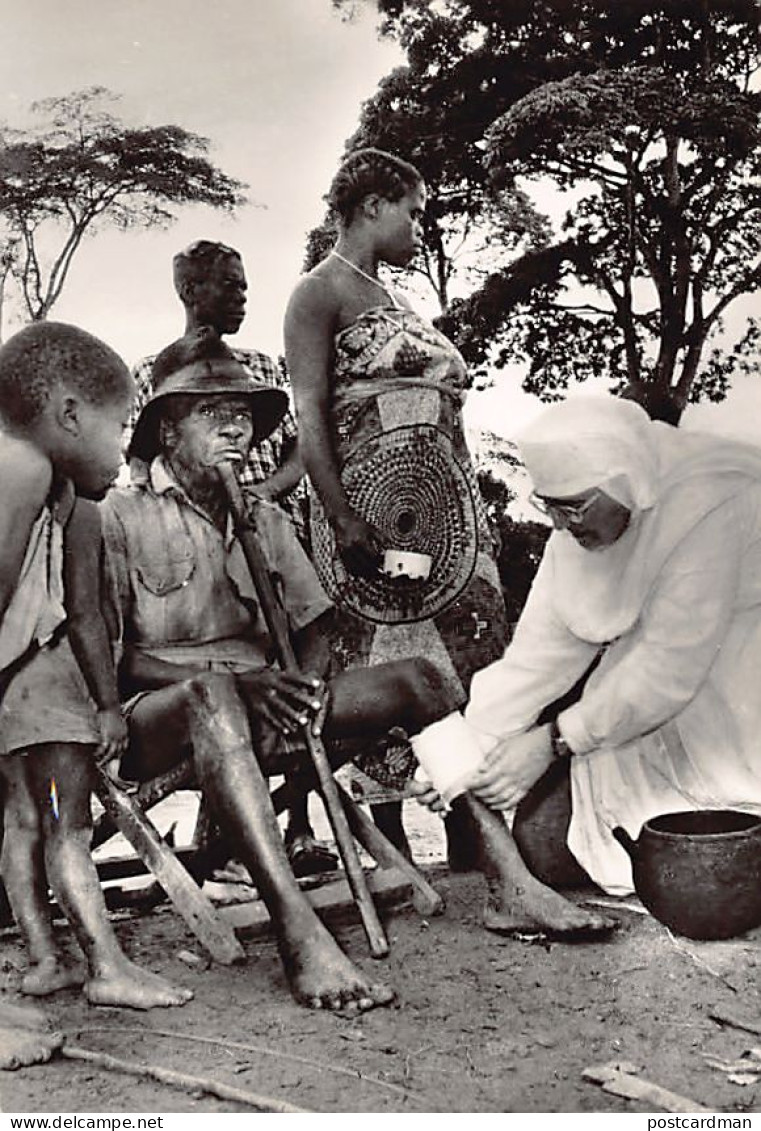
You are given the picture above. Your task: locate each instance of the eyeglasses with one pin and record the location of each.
(223, 413)
(568, 512)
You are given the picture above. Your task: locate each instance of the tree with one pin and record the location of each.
(519, 545)
(644, 114)
(7, 254)
(469, 228)
(82, 167)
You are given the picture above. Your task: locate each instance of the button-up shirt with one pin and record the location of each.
(181, 586)
(266, 457)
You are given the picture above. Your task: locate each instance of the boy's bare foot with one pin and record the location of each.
(21, 1047)
(21, 1015)
(49, 975)
(322, 977)
(26, 1035)
(532, 907)
(131, 987)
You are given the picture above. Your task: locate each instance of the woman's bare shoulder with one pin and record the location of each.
(317, 292)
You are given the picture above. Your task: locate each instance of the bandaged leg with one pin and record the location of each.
(450, 754)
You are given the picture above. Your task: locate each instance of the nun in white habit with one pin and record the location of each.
(654, 568)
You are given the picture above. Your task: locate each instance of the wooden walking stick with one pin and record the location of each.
(274, 615)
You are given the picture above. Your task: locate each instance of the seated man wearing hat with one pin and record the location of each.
(197, 657)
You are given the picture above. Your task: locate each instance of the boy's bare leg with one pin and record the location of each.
(23, 866)
(208, 714)
(67, 830)
(518, 901)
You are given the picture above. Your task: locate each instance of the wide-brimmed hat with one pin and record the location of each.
(205, 376)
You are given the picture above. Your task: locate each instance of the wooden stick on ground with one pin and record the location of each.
(617, 1077)
(723, 1017)
(182, 1080)
(261, 1050)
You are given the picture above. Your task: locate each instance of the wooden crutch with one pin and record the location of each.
(274, 615)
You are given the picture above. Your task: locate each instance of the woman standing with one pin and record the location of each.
(379, 393)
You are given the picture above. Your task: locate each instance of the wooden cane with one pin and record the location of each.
(274, 615)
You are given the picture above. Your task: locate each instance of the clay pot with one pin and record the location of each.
(699, 873)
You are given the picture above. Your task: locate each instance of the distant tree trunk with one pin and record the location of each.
(6, 259)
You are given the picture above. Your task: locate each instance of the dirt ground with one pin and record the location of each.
(482, 1024)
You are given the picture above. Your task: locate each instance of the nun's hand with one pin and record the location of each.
(511, 769)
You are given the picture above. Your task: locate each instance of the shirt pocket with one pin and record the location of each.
(167, 572)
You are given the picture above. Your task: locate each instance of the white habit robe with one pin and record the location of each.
(670, 720)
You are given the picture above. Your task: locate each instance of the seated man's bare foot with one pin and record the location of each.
(322, 977)
(131, 987)
(21, 1015)
(50, 975)
(532, 907)
(21, 1047)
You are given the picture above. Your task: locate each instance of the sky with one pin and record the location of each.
(277, 86)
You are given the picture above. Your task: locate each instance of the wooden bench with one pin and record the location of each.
(127, 813)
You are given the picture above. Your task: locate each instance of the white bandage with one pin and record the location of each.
(449, 753)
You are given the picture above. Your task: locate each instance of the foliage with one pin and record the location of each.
(469, 229)
(82, 166)
(496, 495)
(643, 115)
(522, 548)
(519, 545)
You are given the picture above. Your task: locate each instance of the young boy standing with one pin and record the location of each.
(65, 399)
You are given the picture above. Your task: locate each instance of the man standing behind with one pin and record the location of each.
(211, 284)
(210, 281)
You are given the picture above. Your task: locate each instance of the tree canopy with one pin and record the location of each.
(643, 119)
(81, 167)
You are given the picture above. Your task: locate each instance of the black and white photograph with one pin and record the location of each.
(380, 560)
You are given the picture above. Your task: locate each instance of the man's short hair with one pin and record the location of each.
(41, 356)
(194, 263)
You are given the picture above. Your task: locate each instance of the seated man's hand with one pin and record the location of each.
(286, 701)
(511, 769)
(322, 692)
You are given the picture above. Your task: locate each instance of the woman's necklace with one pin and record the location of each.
(364, 274)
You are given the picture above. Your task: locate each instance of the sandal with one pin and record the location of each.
(308, 857)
